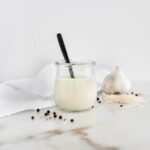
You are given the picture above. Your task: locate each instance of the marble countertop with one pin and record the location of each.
(104, 127)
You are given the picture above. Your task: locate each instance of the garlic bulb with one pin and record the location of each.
(116, 82)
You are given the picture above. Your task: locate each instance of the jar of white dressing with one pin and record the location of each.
(75, 85)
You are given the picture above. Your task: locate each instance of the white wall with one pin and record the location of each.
(111, 32)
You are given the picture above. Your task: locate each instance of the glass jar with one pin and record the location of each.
(75, 85)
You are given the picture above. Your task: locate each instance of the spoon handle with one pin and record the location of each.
(64, 52)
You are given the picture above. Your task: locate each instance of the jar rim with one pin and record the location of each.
(75, 63)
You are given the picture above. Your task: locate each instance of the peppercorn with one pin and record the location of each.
(99, 102)
(38, 110)
(54, 113)
(92, 106)
(55, 116)
(71, 120)
(48, 111)
(60, 117)
(97, 98)
(136, 94)
(45, 114)
(121, 105)
(132, 93)
(32, 117)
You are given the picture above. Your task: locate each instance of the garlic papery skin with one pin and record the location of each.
(116, 82)
(125, 99)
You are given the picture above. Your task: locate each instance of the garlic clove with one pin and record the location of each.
(116, 82)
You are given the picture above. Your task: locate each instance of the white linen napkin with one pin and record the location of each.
(33, 93)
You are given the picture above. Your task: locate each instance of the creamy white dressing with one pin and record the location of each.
(75, 94)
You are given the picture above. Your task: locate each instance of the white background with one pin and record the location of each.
(111, 32)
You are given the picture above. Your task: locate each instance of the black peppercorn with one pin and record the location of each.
(54, 113)
(32, 117)
(132, 93)
(121, 105)
(38, 110)
(136, 94)
(60, 117)
(99, 102)
(48, 111)
(92, 106)
(97, 98)
(71, 120)
(55, 116)
(45, 114)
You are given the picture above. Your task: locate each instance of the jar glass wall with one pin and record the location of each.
(75, 85)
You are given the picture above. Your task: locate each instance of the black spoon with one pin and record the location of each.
(64, 52)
